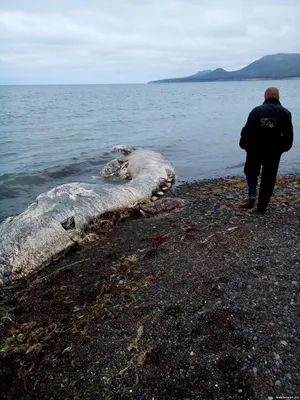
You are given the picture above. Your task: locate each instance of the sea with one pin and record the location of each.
(51, 135)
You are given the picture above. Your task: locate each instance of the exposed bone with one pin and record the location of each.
(126, 150)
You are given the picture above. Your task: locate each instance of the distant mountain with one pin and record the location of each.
(190, 78)
(276, 66)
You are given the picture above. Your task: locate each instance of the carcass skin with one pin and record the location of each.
(58, 219)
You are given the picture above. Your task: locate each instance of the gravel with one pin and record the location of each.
(201, 303)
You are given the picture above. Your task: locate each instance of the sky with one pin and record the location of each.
(135, 41)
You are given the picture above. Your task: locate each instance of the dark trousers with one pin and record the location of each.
(267, 166)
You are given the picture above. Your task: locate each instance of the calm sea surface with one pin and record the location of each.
(50, 135)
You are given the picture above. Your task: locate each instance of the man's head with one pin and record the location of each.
(272, 93)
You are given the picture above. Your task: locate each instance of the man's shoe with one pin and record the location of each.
(261, 210)
(249, 204)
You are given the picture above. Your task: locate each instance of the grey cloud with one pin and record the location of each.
(134, 41)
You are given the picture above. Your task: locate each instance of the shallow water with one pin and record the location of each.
(51, 135)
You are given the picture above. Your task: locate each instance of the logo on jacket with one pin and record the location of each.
(268, 122)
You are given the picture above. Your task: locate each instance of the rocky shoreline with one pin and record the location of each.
(202, 303)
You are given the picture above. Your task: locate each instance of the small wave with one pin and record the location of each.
(179, 115)
(66, 171)
(8, 193)
(240, 165)
(99, 162)
(9, 154)
(22, 179)
(14, 185)
(4, 142)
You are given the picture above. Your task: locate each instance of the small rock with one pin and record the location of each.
(283, 342)
(277, 356)
(277, 383)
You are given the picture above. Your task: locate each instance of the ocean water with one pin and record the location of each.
(50, 135)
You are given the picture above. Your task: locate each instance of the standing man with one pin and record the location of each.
(267, 134)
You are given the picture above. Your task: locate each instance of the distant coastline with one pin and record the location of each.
(272, 67)
(234, 80)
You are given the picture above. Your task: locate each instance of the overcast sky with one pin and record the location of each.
(132, 41)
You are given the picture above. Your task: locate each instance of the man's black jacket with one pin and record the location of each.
(268, 130)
